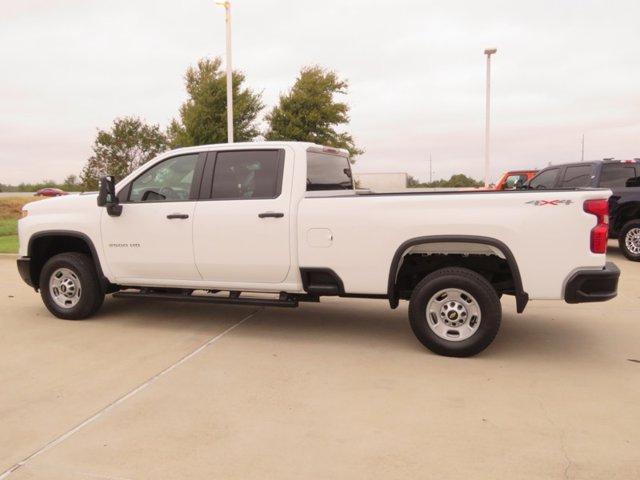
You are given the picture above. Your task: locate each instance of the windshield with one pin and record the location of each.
(328, 172)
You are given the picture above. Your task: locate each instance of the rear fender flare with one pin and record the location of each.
(521, 296)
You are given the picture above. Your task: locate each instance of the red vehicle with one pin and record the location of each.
(50, 192)
(514, 178)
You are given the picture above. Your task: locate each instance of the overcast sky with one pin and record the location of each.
(416, 71)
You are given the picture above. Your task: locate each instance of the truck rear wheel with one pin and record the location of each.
(70, 287)
(455, 312)
(629, 240)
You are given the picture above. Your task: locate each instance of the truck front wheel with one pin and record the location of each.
(70, 287)
(629, 240)
(455, 312)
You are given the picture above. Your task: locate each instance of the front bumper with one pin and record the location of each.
(593, 285)
(24, 269)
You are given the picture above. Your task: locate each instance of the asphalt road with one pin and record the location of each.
(334, 390)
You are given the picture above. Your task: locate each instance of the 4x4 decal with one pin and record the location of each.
(539, 203)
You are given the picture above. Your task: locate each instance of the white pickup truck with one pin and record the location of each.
(278, 223)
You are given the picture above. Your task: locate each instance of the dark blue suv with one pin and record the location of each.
(621, 176)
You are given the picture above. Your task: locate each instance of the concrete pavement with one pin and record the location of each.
(340, 389)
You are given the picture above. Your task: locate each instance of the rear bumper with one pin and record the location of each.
(24, 269)
(593, 285)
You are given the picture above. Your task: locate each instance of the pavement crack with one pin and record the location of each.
(563, 445)
(567, 459)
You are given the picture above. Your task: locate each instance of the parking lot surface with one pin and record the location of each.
(340, 389)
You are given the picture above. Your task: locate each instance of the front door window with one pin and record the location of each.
(168, 181)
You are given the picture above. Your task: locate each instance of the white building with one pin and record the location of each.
(382, 181)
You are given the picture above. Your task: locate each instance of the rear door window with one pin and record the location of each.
(577, 176)
(616, 175)
(247, 174)
(545, 179)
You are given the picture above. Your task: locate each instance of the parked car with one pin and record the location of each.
(621, 176)
(50, 192)
(283, 219)
(514, 179)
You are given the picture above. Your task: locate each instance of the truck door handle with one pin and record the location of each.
(171, 216)
(271, 214)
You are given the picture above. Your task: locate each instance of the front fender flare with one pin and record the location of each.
(65, 233)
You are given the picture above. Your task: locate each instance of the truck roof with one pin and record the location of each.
(264, 143)
(592, 162)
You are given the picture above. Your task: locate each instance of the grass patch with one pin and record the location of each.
(10, 212)
(8, 226)
(11, 207)
(8, 235)
(9, 244)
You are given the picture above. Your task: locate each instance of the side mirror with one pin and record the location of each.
(107, 196)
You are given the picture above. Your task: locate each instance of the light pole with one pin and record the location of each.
(488, 52)
(227, 8)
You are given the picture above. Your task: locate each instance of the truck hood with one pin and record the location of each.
(62, 203)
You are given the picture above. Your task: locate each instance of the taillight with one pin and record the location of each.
(599, 233)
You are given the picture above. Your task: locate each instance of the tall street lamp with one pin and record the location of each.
(227, 8)
(488, 52)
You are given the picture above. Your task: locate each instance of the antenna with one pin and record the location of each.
(582, 148)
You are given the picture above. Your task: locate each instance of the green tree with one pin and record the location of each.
(34, 187)
(413, 182)
(459, 180)
(203, 117)
(129, 143)
(72, 182)
(310, 113)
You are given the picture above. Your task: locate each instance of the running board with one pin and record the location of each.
(283, 301)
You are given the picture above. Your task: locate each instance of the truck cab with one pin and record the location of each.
(513, 179)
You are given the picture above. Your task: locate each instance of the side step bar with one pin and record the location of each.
(234, 299)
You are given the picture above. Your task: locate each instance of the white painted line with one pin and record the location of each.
(123, 398)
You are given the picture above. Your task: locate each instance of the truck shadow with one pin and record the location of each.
(544, 336)
(614, 254)
(359, 323)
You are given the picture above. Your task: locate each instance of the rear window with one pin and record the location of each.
(328, 172)
(616, 175)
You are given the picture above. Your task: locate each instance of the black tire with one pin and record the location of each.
(91, 293)
(487, 302)
(622, 240)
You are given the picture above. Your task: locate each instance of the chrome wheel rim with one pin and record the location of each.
(453, 314)
(632, 241)
(65, 288)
